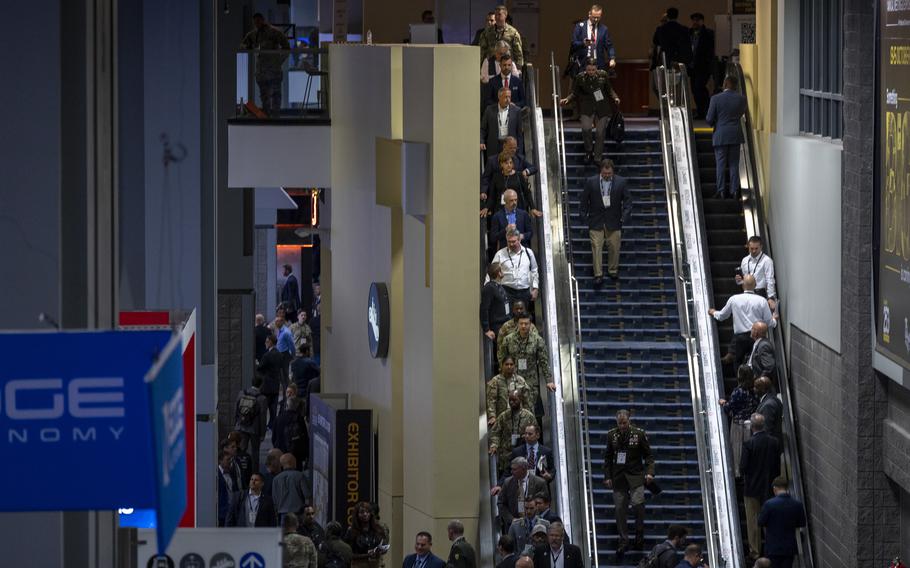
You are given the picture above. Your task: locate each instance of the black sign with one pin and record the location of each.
(744, 6)
(378, 320)
(892, 217)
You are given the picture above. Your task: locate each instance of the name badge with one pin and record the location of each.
(514, 439)
(598, 96)
(606, 200)
(522, 364)
(521, 507)
(621, 458)
(508, 308)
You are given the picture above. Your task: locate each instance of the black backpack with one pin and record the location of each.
(651, 561)
(332, 558)
(247, 409)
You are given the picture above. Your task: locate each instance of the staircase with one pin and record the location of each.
(634, 357)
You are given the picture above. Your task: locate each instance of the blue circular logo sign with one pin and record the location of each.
(378, 320)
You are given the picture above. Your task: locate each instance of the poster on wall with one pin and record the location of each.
(892, 219)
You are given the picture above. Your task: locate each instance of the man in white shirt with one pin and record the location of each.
(557, 553)
(746, 309)
(520, 277)
(760, 266)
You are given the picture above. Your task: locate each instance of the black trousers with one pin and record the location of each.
(741, 347)
(763, 292)
(523, 294)
(272, 401)
(781, 561)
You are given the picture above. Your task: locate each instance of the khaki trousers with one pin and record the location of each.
(599, 125)
(597, 246)
(753, 508)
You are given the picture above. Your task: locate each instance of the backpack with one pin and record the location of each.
(332, 558)
(617, 127)
(653, 559)
(247, 409)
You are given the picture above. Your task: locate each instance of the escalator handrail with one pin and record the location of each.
(687, 230)
(756, 216)
(576, 365)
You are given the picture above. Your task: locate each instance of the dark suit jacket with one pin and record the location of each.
(260, 332)
(265, 516)
(515, 85)
(772, 409)
(499, 223)
(290, 293)
(270, 367)
(520, 162)
(724, 113)
(493, 302)
(514, 181)
(489, 128)
(672, 38)
(763, 361)
(509, 561)
(592, 205)
(542, 558)
(508, 497)
(226, 497)
(542, 451)
(604, 48)
(703, 58)
(432, 562)
(760, 464)
(781, 516)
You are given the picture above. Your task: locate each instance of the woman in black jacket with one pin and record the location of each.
(494, 303)
(508, 178)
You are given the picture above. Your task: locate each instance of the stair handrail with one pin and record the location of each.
(756, 219)
(719, 501)
(574, 365)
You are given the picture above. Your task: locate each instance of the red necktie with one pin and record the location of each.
(505, 82)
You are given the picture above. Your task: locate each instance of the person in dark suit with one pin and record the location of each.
(260, 332)
(505, 79)
(671, 40)
(770, 407)
(506, 548)
(762, 359)
(270, 368)
(500, 120)
(519, 162)
(290, 294)
(597, 102)
(692, 558)
(423, 556)
(228, 485)
(606, 204)
(510, 214)
(494, 303)
(724, 113)
(542, 500)
(702, 40)
(556, 550)
(759, 464)
(781, 516)
(591, 39)
(540, 457)
(253, 509)
(503, 180)
(520, 484)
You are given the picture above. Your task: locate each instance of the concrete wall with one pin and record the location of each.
(424, 391)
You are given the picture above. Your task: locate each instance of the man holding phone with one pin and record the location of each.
(591, 40)
(692, 558)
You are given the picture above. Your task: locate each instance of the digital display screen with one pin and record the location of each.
(892, 217)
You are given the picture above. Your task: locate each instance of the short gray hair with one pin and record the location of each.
(513, 232)
(520, 462)
(456, 526)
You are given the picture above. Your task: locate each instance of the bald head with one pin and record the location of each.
(758, 422)
(762, 385)
(759, 330)
(288, 461)
(748, 282)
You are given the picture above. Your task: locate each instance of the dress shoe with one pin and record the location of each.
(614, 275)
(598, 281)
(639, 543)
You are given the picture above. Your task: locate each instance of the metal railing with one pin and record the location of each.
(756, 223)
(299, 75)
(694, 293)
(571, 347)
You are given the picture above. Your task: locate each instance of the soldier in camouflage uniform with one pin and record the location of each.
(597, 102)
(268, 65)
(501, 31)
(628, 466)
(518, 309)
(461, 555)
(499, 387)
(299, 551)
(531, 359)
(508, 430)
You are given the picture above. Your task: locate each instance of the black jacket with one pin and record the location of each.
(763, 360)
(772, 409)
(489, 128)
(265, 515)
(516, 182)
(543, 559)
(703, 58)
(592, 204)
(260, 333)
(270, 367)
(492, 167)
(515, 85)
(493, 303)
(672, 38)
(760, 464)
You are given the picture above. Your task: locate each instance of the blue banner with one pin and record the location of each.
(75, 430)
(165, 381)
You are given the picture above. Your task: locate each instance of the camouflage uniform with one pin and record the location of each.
(268, 65)
(509, 327)
(509, 424)
(498, 389)
(303, 335)
(493, 35)
(531, 361)
(299, 552)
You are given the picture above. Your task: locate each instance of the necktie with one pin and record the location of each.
(506, 82)
(531, 457)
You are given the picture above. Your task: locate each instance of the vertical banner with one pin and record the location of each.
(322, 443)
(893, 183)
(165, 383)
(353, 461)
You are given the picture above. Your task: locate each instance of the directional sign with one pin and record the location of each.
(252, 560)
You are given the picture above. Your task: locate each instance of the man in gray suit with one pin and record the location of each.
(521, 484)
(762, 358)
(724, 114)
(500, 120)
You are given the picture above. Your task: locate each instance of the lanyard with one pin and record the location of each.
(519, 259)
(757, 262)
(606, 186)
(555, 556)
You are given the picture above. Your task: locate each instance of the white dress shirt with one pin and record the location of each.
(762, 268)
(519, 269)
(485, 71)
(252, 509)
(557, 557)
(503, 121)
(746, 308)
